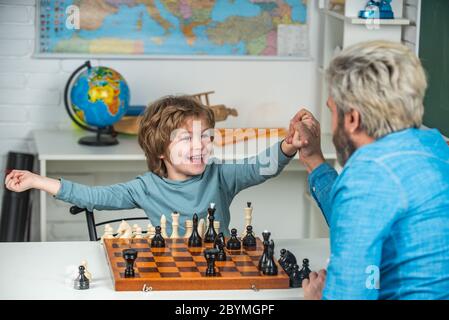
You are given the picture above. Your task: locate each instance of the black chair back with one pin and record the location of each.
(92, 226)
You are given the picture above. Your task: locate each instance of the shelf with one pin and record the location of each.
(359, 21)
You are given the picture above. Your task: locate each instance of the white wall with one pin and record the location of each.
(266, 93)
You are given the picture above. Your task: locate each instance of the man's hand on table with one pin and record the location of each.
(313, 287)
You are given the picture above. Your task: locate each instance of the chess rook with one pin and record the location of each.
(130, 256)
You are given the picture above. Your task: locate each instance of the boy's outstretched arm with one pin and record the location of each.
(113, 197)
(22, 180)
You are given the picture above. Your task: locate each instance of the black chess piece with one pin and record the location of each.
(266, 242)
(286, 259)
(219, 244)
(158, 241)
(289, 268)
(295, 277)
(233, 242)
(270, 268)
(130, 256)
(195, 238)
(249, 241)
(211, 234)
(81, 282)
(210, 255)
(305, 270)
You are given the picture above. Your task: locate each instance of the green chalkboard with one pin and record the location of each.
(434, 53)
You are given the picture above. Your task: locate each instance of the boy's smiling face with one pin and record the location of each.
(189, 149)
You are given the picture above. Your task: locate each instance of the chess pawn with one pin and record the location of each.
(150, 231)
(158, 241)
(86, 272)
(189, 229)
(138, 233)
(248, 217)
(175, 225)
(164, 227)
(234, 242)
(249, 241)
(305, 270)
(201, 227)
(217, 226)
(108, 233)
(82, 282)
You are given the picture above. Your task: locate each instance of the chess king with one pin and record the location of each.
(176, 135)
(388, 209)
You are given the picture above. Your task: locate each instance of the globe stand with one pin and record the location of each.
(107, 139)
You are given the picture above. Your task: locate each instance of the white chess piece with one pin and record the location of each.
(134, 229)
(189, 229)
(108, 232)
(248, 217)
(86, 272)
(164, 227)
(150, 228)
(175, 225)
(124, 230)
(201, 227)
(138, 233)
(152, 232)
(217, 226)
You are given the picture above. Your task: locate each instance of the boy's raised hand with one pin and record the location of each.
(305, 134)
(21, 180)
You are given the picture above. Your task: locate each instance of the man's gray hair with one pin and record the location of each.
(384, 81)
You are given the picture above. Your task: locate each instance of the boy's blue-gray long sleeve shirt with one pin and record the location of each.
(219, 183)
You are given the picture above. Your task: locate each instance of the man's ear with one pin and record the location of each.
(352, 121)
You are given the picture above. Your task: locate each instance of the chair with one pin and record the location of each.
(92, 226)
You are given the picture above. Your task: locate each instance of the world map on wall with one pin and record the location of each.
(259, 28)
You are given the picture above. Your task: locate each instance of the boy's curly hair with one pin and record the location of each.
(158, 122)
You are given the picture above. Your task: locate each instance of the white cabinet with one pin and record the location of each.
(341, 27)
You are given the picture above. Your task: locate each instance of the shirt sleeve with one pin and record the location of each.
(113, 197)
(254, 170)
(366, 200)
(321, 180)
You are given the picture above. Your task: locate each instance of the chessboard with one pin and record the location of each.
(179, 267)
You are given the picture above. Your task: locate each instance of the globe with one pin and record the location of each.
(96, 98)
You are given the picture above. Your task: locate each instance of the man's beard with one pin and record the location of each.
(343, 144)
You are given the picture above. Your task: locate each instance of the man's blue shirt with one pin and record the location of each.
(388, 214)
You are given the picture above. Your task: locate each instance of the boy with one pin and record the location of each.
(176, 136)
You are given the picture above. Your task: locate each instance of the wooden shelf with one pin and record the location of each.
(356, 20)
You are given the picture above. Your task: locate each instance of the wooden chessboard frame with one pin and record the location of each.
(178, 267)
